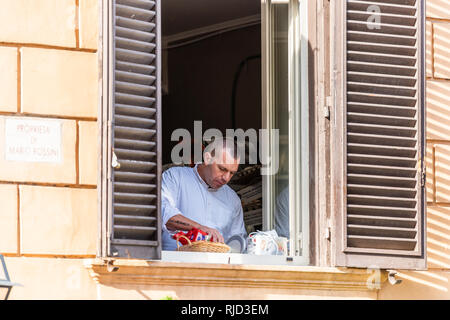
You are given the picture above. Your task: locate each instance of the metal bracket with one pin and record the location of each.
(110, 267)
(327, 108)
(328, 233)
(391, 277)
(424, 177)
(326, 112)
(115, 163)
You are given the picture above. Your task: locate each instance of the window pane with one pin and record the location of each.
(281, 95)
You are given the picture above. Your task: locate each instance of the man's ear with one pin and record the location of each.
(207, 157)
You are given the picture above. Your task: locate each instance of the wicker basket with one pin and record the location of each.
(202, 246)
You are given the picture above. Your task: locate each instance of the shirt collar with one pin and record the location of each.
(202, 182)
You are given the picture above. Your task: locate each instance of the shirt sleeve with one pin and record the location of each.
(169, 197)
(282, 214)
(237, 225)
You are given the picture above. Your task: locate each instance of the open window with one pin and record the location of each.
(155, 82)
(234, 66)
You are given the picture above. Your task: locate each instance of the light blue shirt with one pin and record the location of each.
(282, 213)
(184, 192)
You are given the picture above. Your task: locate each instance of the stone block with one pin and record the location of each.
(44, 22)
(59, 221)
(8, 218)
(59, 82)
(8, 79)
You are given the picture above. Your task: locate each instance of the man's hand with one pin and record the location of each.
(215, 234)
(180, 222)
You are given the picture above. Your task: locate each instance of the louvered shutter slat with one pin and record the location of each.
(134, 209)
(374, 98)
(383, 131)
(133, 198)
(394, 19)
(381, 190)
(385, 211)
(134, 154)
(134, 56)
(135, 25)
(380, 109)
(135, 78)
(129, 11)
(381, 243)
(137, 166)
(385, 7)
(135, 225)
(134, 144)
(378, 139)
(134, 45)
(134, 177)
(374, 47)
(380, 69)
(134, 100)
(381, 160)
(380, 58)
(384, 181)
(135, 111)
(381, 221)
(136, 68)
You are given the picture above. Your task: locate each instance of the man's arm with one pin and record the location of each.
(180, 222)
(237, 225)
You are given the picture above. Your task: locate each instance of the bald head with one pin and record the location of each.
(223, 150)
(221, 162)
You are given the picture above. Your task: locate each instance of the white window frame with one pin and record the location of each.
(298, 145)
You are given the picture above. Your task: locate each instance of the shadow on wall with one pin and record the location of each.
(442, 173)
(438, 112)
(430, 173)
(429, 52)
(435, 282)
(441, 34)
(438, 227)
(438, 9)
(421, 285)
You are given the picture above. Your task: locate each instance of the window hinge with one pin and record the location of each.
(115, 163)
(391, 277)
(111, 267)
(327, 108)
(424, 178)
(326, 112)
(328, 233)
(300, 241)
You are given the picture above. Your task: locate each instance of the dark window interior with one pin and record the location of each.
(214, 78)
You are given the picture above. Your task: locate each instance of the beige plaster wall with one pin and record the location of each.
(63, 278)
(49, 71)
(48, 216)
(435, 282)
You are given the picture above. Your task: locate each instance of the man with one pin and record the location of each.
(282, 213)
(200, 198)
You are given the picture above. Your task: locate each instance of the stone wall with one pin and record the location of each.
(49, 71)
(435, 282)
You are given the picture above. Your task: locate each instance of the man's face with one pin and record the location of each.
(219, 173)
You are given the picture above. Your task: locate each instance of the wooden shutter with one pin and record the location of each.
(131, 218)
(380, 132)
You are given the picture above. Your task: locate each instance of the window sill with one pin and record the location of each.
(144, 272)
